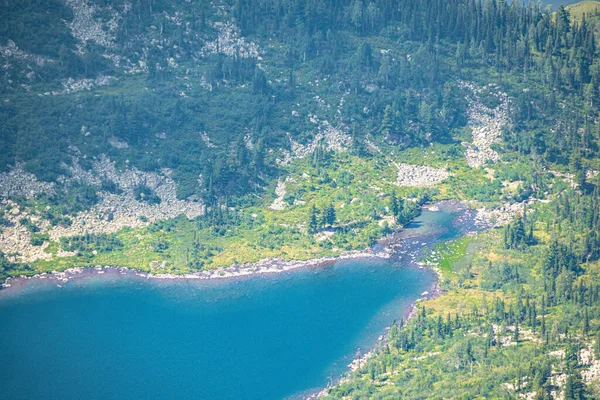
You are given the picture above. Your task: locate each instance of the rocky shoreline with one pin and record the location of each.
(361, 359)
(394, 244)
(266, 266)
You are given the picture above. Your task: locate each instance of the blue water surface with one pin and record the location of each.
(263, 337)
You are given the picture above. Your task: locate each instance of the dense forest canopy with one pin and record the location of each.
(401, 61)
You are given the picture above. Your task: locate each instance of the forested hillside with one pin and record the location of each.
(183, 83)
(184, 136)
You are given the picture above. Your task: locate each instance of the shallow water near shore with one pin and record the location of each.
(261, 337)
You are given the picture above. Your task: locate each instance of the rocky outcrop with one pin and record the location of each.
(73, 86)
(206, 139)
(278, 203)
(18, 182)
(331, 138)
(501, 215)
(117, 211)
(486, 125)
(336, 138)
(85, 26)
(118, 143)
(591, 370)
(420, 176)
(15, 239)
(230, 42)
(113, 213)
(11, 51)
(413, 175)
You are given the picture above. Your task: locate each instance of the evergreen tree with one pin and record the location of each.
(394, 204)
(313, 224)
(329, 214)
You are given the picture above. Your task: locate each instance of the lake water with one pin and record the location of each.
(263, 337)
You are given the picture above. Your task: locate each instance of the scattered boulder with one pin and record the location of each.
(420, 176)
(486, 126)
(278, 203)
(18, 182)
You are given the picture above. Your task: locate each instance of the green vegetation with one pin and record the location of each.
(352, 210)
(445, 255)
(517, 236)
(8, 268)
(589, 10)
(144, 193)
(400, 78)
(27, 223)
(69, 201)
(503, 322)
(89, 243)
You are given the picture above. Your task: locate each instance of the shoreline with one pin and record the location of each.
(434, 292)
(404, 244)
(384, 248)
(359, 361)
(411, 311)
(262, 267)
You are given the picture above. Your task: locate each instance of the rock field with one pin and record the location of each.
(420, 176)
(113, 213)
(18, 182)
(486, 125)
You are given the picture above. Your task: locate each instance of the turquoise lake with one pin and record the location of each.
(263, 337)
